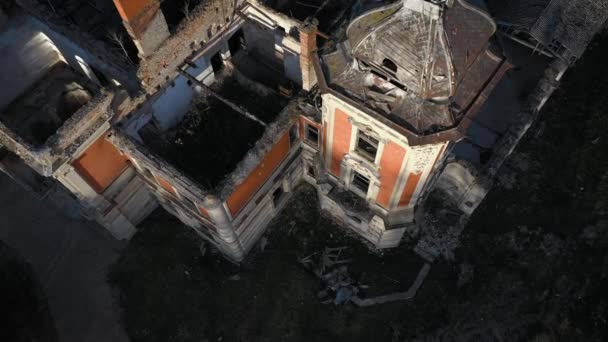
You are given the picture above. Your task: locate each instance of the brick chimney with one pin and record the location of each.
(145, 23)
(308, 49)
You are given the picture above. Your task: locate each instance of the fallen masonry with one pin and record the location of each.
(339, 287)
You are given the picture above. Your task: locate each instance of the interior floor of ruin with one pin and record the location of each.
(213, 137)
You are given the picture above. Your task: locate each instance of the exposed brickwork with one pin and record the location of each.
(308, 43)
(145, 23)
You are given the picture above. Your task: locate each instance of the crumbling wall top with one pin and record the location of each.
(273, 133)
(61, 147)
(203, 24)
(146, 157)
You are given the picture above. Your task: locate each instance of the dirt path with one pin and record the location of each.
(70, 258)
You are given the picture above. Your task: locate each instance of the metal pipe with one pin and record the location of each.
(227, 102)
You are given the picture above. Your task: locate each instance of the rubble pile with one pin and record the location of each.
(338, 285)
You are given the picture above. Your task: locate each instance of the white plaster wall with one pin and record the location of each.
(26, 54)
(203, 71)
(170, 108)
(270, 17)
(261, 40)
(460, 185)
(291, 63)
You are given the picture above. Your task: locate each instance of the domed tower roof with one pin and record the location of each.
(434, 52)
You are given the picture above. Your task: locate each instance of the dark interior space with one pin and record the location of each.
(329, 13)
(255, 66)
(216, 63)
(213, 138)
(237, 42)
(175, 11)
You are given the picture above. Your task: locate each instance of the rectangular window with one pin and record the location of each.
(361, 182)
(367, 146)
(312, 135)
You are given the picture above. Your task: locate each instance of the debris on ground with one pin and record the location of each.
(319, 262)
(340, 287)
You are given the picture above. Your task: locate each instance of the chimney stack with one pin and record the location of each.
(308, 49)
(145, 23)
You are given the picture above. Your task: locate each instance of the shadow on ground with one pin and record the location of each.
(23, 302)
(172, 293)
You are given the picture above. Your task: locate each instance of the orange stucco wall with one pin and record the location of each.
(101, 164)
(302, 122)
(166, 185)
(341, 143)
(243, 193)
(409, 189)
(390, 165)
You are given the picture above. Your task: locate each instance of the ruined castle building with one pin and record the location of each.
(397, 94)
(145, 22)
(219, 144)
(375, 103)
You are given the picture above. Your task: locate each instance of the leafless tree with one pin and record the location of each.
(118, 39)
(51, 5)
(186, 9)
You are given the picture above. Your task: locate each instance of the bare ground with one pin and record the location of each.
(25, 312)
